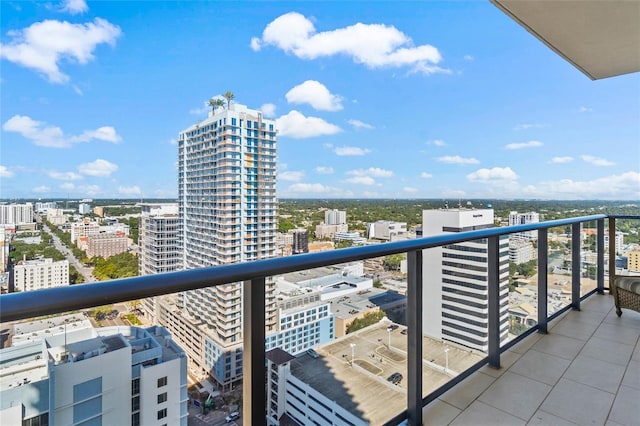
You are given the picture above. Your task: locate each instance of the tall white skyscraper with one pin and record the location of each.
(455, 303)
(335, 217)
(227, 214)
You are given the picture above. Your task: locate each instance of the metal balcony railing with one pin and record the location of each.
(18, 306)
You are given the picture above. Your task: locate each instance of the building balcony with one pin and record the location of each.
(576, 361)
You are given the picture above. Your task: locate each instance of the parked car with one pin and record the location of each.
(312, 353)
(404, 331)
(232, 416)
(393, 327)
(395, 378)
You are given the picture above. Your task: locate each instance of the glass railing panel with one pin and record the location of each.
(588, 257)
(559, 269)
(523, 282)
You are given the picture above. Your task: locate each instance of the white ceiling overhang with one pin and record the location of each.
(599, 37)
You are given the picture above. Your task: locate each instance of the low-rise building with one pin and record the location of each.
(115, 375)
(521, 251)
(107, 245)
(329, 231)
(386, 229)
(29, 275)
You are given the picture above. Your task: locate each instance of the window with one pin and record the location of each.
(162, 398)
(162, 413)
(162, 381)
(135, 386)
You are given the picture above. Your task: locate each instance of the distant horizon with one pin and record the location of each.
(453, 100)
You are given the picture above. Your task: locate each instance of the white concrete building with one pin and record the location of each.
(16, 214)
(335, 217)
(521, 251)
(619, 241)
(85, 228)
(329, 231)
(56, 217)
(29, 275)
(516, 218)
(385, 229)
(84, 208)
(116, 375)
(292, 401)
(227, 212)
(455, 288)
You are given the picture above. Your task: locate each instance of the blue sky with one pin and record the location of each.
(373, 100)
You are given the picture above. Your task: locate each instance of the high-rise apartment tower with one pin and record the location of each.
(227, 214)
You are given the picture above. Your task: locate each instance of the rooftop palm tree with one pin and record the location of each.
(229, 96)
(215, 103)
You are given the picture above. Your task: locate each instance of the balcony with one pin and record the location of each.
(578, 363)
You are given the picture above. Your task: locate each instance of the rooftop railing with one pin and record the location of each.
(19, 306)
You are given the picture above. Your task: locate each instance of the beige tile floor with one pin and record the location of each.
(585, 371)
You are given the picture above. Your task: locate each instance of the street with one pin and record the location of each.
(86, 272)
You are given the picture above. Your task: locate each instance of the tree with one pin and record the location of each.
(229, 96)
(215, 103)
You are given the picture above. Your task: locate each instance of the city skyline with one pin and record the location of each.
(91, 92)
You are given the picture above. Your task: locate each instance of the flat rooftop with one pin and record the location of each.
(363, 300)
(363, 389)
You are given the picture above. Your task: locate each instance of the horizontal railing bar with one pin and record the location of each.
(16, 306)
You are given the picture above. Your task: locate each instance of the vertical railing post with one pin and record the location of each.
(600, 249)
(612, 252)
(576, 268)
(414, 337)
(543, 265)
(493, 300)
(253, 366)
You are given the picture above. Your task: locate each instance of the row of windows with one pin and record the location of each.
(463, 257)
(463, 275)
(464, 293)
(464, 266)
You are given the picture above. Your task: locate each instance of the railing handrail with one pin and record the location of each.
(18, 306)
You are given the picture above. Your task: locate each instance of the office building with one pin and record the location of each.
(45, 207)
(335, 217)
(114, 375)
(633, 261)
(29, 275)
(456, 286)
(227, 214)
(16, 214)
(84, 208)
(300, 243)
(385, 229)
(329, 231)
(159, 250)
(56, 217)
(618, 241)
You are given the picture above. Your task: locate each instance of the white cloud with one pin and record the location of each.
(43, 45)
(297, 126)
(374, 45)
(357, 124)
(371, 171)
(596, 161)
(350, 150)
(410, 189)
(67, 186)
(426, 175)
(468, 58)
(204, 109)
(625, 186)
(77, 90)
(88, 190)
(268, 110)
(324, 170)
(526, 126)
(74, 7)
(41, 189)
(316, 188)
(99, 167)
(521, 145)
(129, 190)
(5, 172)
(494, 175)
(64, 175)
(293, 176)
(456, 159)
(561, 160)
(315, 94)
(362, 180)
(585, 109)
(437, 142)
(42, 134)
